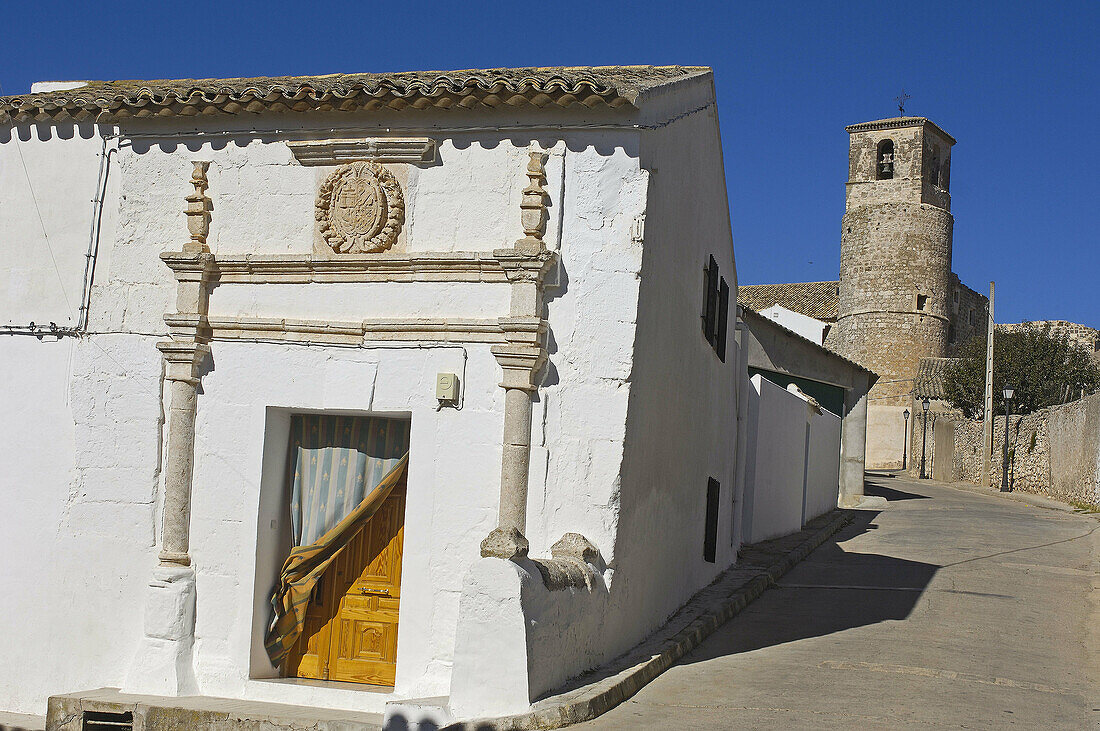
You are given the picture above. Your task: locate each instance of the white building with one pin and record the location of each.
(806, 326)
(499, 269)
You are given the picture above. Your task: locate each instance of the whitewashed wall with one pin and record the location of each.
(93, 409)
(635, 413)
(792, 468)
(822, 465)
(680, 418)
(49, 177)
(78, 433)
(775, 461)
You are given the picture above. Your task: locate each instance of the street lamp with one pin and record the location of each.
(905, 438)
(924, 437)
(1009, 392)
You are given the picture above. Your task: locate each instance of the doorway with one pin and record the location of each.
(351, 620)
(351, 625)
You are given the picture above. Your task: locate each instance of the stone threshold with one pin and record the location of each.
(159, 713)
(592, 694)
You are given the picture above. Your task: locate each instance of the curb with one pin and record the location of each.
(595, 699)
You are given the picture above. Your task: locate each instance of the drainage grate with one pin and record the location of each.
(108, 721)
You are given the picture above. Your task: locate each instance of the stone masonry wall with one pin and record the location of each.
(969, 314)
(1085, 337)
(895, 266)
(1054, 451)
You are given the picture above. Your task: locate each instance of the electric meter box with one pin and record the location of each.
(446, 387)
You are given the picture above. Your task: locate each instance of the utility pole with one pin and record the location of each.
(987, 423)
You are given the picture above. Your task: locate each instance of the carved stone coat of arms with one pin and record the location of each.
(360, 209)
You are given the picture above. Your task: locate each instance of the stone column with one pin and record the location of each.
(182, 360)
(853, 449)
(521, 357)
(519, 363)
(162, 665)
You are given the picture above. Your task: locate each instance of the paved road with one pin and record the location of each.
(949, 609)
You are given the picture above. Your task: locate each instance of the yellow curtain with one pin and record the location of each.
(305, 565)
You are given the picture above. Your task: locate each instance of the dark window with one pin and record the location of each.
(716, 296)
(885, 160)
(922, 300)
(971, 317)
(710, 539)
(934, 171)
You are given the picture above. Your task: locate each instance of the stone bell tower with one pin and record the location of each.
(895, 251)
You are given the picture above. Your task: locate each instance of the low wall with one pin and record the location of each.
(1054, 451)
(792, 462)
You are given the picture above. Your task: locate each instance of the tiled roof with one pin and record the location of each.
(590, 86)
(814, 299)
(931, 376)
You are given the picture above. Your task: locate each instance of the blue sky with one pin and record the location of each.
(1017, 84)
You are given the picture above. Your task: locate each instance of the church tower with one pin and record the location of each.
(895, 252)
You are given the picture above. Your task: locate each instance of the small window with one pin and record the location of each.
(715, 315)
(710, 537)
(971, 317)
(922, 300)
(934, 170)
(885, 160)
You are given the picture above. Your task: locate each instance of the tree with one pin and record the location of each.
(1044, 369)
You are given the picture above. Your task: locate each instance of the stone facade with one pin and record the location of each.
(895, 252)
(1054, 451)
(1083, 336)
(897, 300)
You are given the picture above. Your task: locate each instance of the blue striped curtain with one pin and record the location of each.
(338, 461)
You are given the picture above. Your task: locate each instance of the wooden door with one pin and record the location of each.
(351, 625)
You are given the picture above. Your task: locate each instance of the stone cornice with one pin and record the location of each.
(521, 266)
(502, 265)
(347, 332)
(897, 123)
(416, 150)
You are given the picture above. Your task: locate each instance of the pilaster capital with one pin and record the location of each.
(526, 266)
(183, 359)
(190, 266)
(523, 354)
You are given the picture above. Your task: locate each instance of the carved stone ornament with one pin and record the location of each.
(360, 209)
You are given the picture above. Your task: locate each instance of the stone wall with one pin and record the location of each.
(1083, 336)
(1054, 451)
(895, 264)
(969, 312)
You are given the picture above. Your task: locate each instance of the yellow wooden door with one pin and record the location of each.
(351, 625)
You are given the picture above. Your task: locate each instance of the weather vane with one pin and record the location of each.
(901, 101)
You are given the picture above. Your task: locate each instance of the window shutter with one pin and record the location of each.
(710, 301)
(723, 313)
(710, 538)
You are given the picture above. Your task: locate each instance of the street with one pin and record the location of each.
(949, 609)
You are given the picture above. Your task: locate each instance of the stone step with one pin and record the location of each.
(159, 713)
(21, 722)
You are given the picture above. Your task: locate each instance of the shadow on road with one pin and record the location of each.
(833, 590)
(871, 488)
